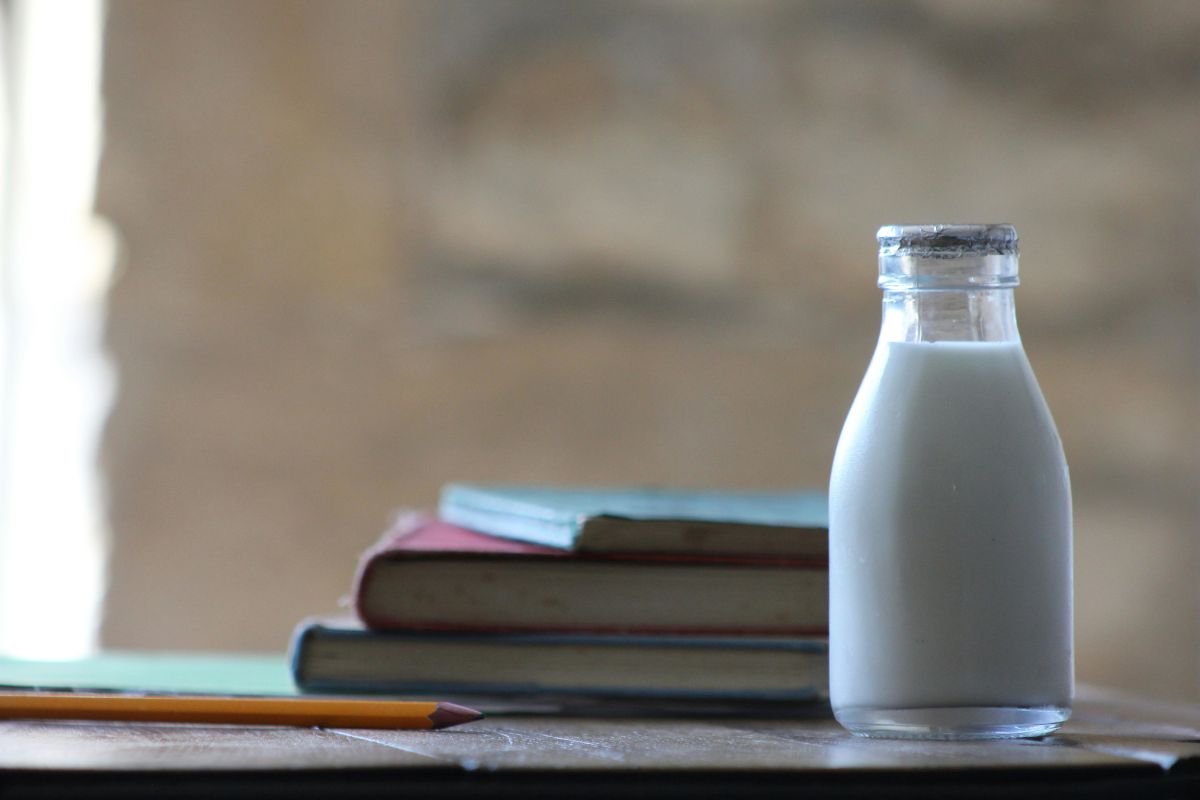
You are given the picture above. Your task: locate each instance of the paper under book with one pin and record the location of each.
(645, 520)
(343, 657)
(427, 574)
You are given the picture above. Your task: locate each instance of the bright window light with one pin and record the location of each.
(55, 383)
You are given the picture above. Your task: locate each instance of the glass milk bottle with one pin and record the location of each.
(950, 508)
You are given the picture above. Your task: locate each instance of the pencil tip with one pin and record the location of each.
(447, 714)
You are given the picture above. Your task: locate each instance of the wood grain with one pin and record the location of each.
(772, 745)
(159, 746)
(1112, 736)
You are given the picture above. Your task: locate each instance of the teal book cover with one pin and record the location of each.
(561, 517)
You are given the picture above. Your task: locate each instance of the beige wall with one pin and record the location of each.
(371, 247)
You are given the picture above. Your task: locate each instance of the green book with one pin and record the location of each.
(632, 520)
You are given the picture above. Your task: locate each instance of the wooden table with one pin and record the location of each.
(1114, 746)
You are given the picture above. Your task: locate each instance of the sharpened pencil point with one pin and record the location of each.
(447, 714)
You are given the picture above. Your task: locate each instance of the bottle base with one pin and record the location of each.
(953, 723)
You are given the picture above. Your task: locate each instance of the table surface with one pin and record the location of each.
(1111, 743)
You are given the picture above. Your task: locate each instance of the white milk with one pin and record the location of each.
(950, 548)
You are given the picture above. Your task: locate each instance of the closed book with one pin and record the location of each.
(790, 524)
(343, 657)
(427, 574)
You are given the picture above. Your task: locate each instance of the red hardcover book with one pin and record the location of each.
(427, 574)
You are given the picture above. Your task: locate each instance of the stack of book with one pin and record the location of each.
(556, 593)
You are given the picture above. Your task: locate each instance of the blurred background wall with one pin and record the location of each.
(369, 247)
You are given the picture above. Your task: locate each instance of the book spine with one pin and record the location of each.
(377, 622)
(805, 694)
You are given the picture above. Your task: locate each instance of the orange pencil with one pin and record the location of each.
(292, 711)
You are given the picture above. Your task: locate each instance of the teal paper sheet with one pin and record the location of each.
(154, 672)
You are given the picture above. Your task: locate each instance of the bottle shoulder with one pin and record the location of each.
(954, 400)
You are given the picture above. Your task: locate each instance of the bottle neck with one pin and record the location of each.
(949, 315)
